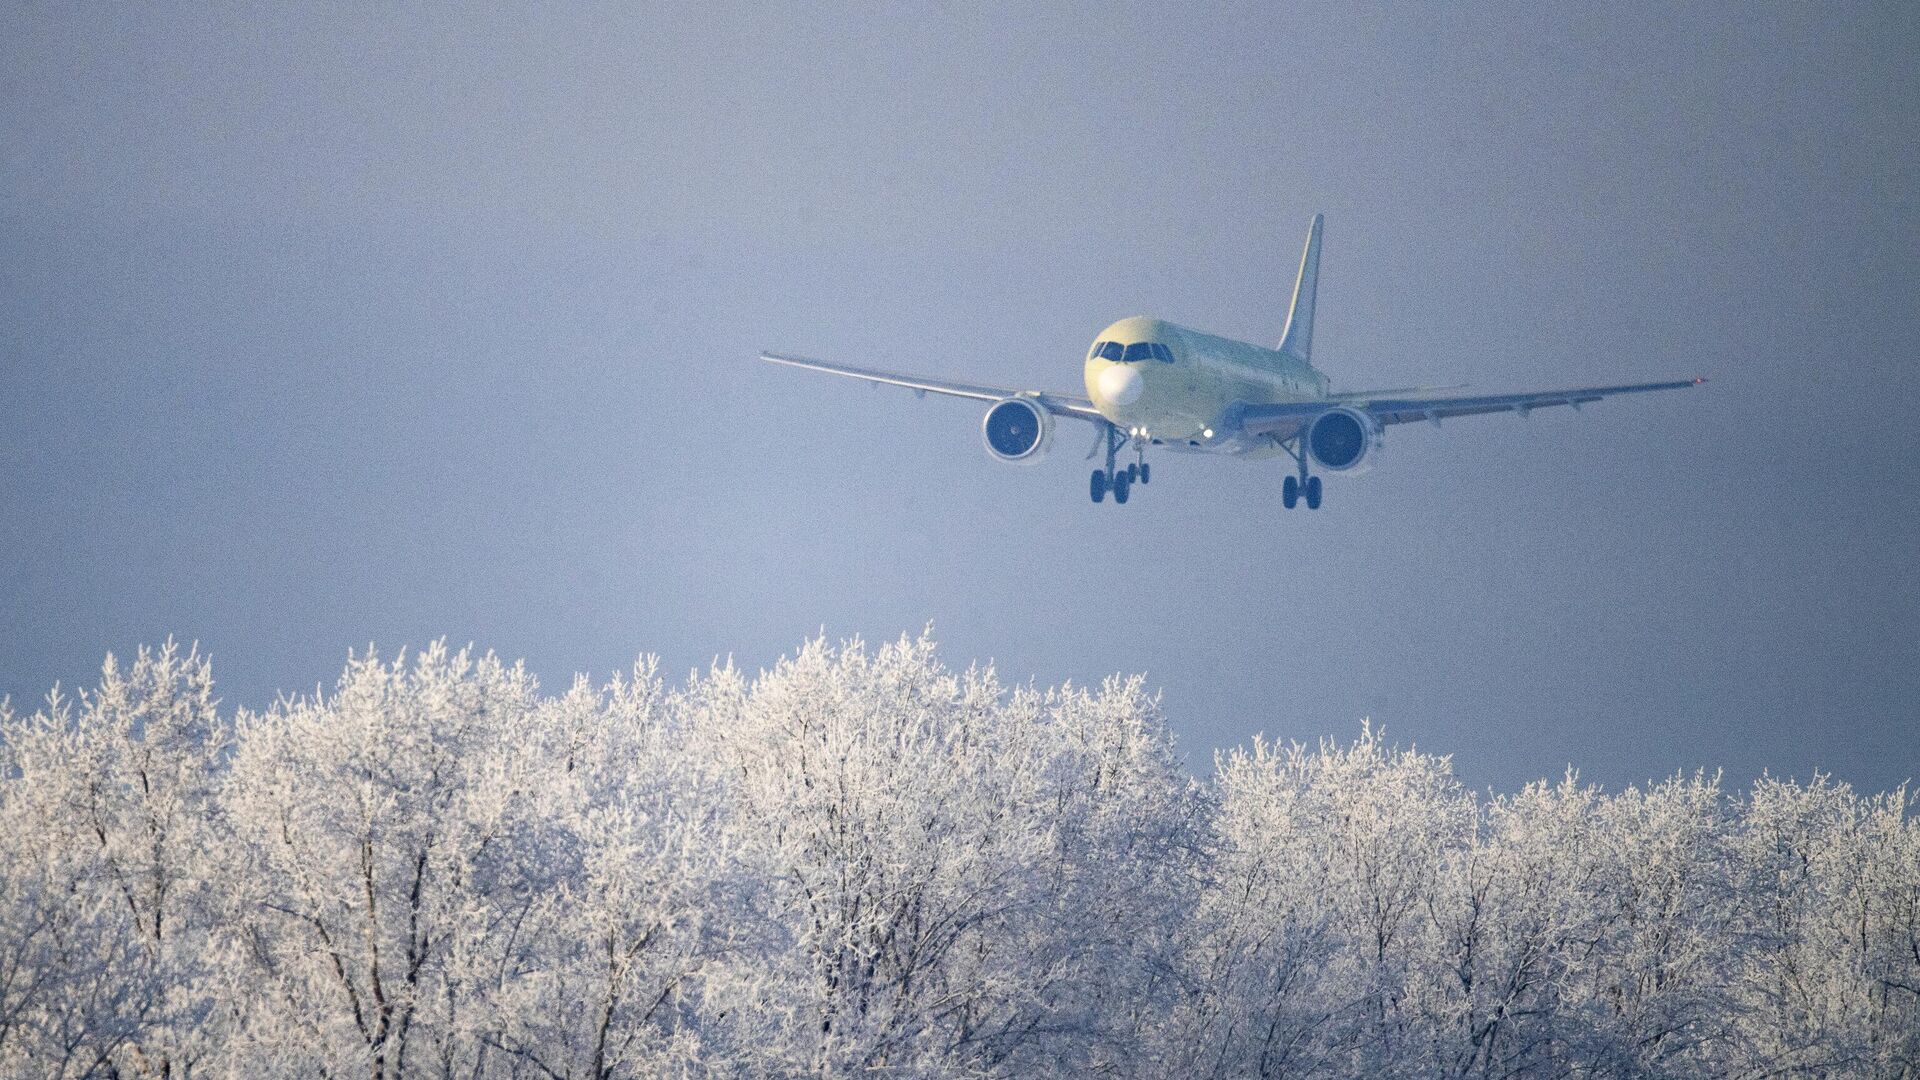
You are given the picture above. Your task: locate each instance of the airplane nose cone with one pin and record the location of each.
(1120, 385)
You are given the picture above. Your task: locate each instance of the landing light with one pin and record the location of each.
(1207, 434)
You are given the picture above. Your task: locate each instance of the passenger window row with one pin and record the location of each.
(1139, 350)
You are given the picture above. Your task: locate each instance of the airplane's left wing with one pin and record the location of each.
(1058, 404)
(1284, 419)
(1403, 410)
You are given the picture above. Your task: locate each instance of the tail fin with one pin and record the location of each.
(1298, 339)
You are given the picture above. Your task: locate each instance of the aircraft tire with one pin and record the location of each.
(1121, 486)
(1097, 487)
(1289, 492)
(1313, 493)
(1145, 471)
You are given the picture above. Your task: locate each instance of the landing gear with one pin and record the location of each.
(1120, 483)
(1113, 478)
(1302, 485)
(1145, 471)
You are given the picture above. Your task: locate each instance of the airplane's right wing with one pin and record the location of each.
(1056, 403)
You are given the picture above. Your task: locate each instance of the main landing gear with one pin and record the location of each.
(1119, 481)
(1292, 489)
(1295, 487)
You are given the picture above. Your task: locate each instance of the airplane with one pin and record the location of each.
(1151, 383)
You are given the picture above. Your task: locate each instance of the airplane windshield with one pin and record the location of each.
(1128, 354)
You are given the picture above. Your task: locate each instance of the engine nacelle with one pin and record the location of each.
(1343, 441)
(1017, 429)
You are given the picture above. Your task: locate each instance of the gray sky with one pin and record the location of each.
(322, 329)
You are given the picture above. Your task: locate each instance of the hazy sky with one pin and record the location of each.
(388, 324)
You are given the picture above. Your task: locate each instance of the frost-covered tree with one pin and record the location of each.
(1315, 917)
(379, 832)
(1658, 973)
(639, 896)
(1828, 917)
(448, 876)
(1126, 826)
(1515, 919)
(113, 863)
(958, 879)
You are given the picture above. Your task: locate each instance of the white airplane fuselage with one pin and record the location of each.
(1173, 402)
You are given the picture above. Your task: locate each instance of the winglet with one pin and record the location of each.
(1297, 341)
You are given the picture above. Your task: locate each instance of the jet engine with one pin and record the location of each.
(1017, 429)
(1343, 440)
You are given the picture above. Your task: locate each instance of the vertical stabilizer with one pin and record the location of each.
(1297, 342)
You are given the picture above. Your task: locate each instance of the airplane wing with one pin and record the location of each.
(1058, 404)
(1394, 407)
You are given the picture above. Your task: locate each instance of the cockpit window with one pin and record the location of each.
(1139, 350)
(1112, 350)
(1162, 353)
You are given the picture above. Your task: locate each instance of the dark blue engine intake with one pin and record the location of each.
(1017, 429)
(1343, 440)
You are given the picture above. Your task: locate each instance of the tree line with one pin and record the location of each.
(862, 862)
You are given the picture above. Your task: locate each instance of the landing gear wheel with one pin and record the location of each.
(1313, 493)
(1133, 473)
(1097, 487)
(1145, 471)
(1121, 484)
(1289, 492)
